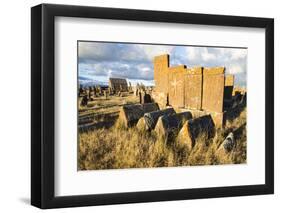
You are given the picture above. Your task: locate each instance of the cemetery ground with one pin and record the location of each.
(105, 143)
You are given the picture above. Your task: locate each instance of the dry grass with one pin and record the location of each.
(118, 147)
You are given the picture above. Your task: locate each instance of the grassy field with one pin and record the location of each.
(116, 147)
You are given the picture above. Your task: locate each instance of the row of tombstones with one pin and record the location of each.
(168, 124)
(92, 92)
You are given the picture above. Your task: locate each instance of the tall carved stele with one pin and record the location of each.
(213, 89)
(193, 88)
(161, 65)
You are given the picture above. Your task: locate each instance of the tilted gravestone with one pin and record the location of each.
(151, 118)
(195, 128)
(168, 126)
(150, 107)
(130, 114)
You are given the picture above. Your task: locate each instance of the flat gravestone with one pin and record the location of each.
(213, 89)
(193, 88)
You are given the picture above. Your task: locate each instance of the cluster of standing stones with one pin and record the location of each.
(117, 86)
(201, 96)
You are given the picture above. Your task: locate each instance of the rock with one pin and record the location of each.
(152, 117)
(150, 107)
(141, 125)
(168, 126)
(194, 128)
(129, 115)
(229, 143)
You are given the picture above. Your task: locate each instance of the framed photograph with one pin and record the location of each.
(139, 106)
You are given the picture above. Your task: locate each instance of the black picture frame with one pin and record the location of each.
(43, 105)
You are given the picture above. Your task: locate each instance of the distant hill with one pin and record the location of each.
(84, 81)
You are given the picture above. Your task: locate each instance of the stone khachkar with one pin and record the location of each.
(176, 86)
(213, 94)
(213, 89)
(161, 70)
(191, 88)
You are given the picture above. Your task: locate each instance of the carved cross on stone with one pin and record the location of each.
(174, 84)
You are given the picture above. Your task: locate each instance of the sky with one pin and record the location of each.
(100, 60)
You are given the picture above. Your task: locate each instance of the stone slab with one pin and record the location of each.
(194, 128)
(161, 65)
(213, 90)
(176, 86)
(193, 89)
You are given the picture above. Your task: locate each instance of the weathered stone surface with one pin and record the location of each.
(227, 146)
(176, 86)
(213, 89)
(219, 118)
(151, 118)
(228, 87)
(193, 88)
(130, 114)
(197, 113)
(141, 125)
(213, 70)
(194, 128)
(203, 89)
(161, 98)
(168, 126)
(150, 107)
(161, 65)
(229, 142)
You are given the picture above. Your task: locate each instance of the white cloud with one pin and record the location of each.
(134, 61)
(206, 56)
(193, 53)
(151, 50)
(234, 69)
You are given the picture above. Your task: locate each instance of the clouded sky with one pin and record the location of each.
(99, 61)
